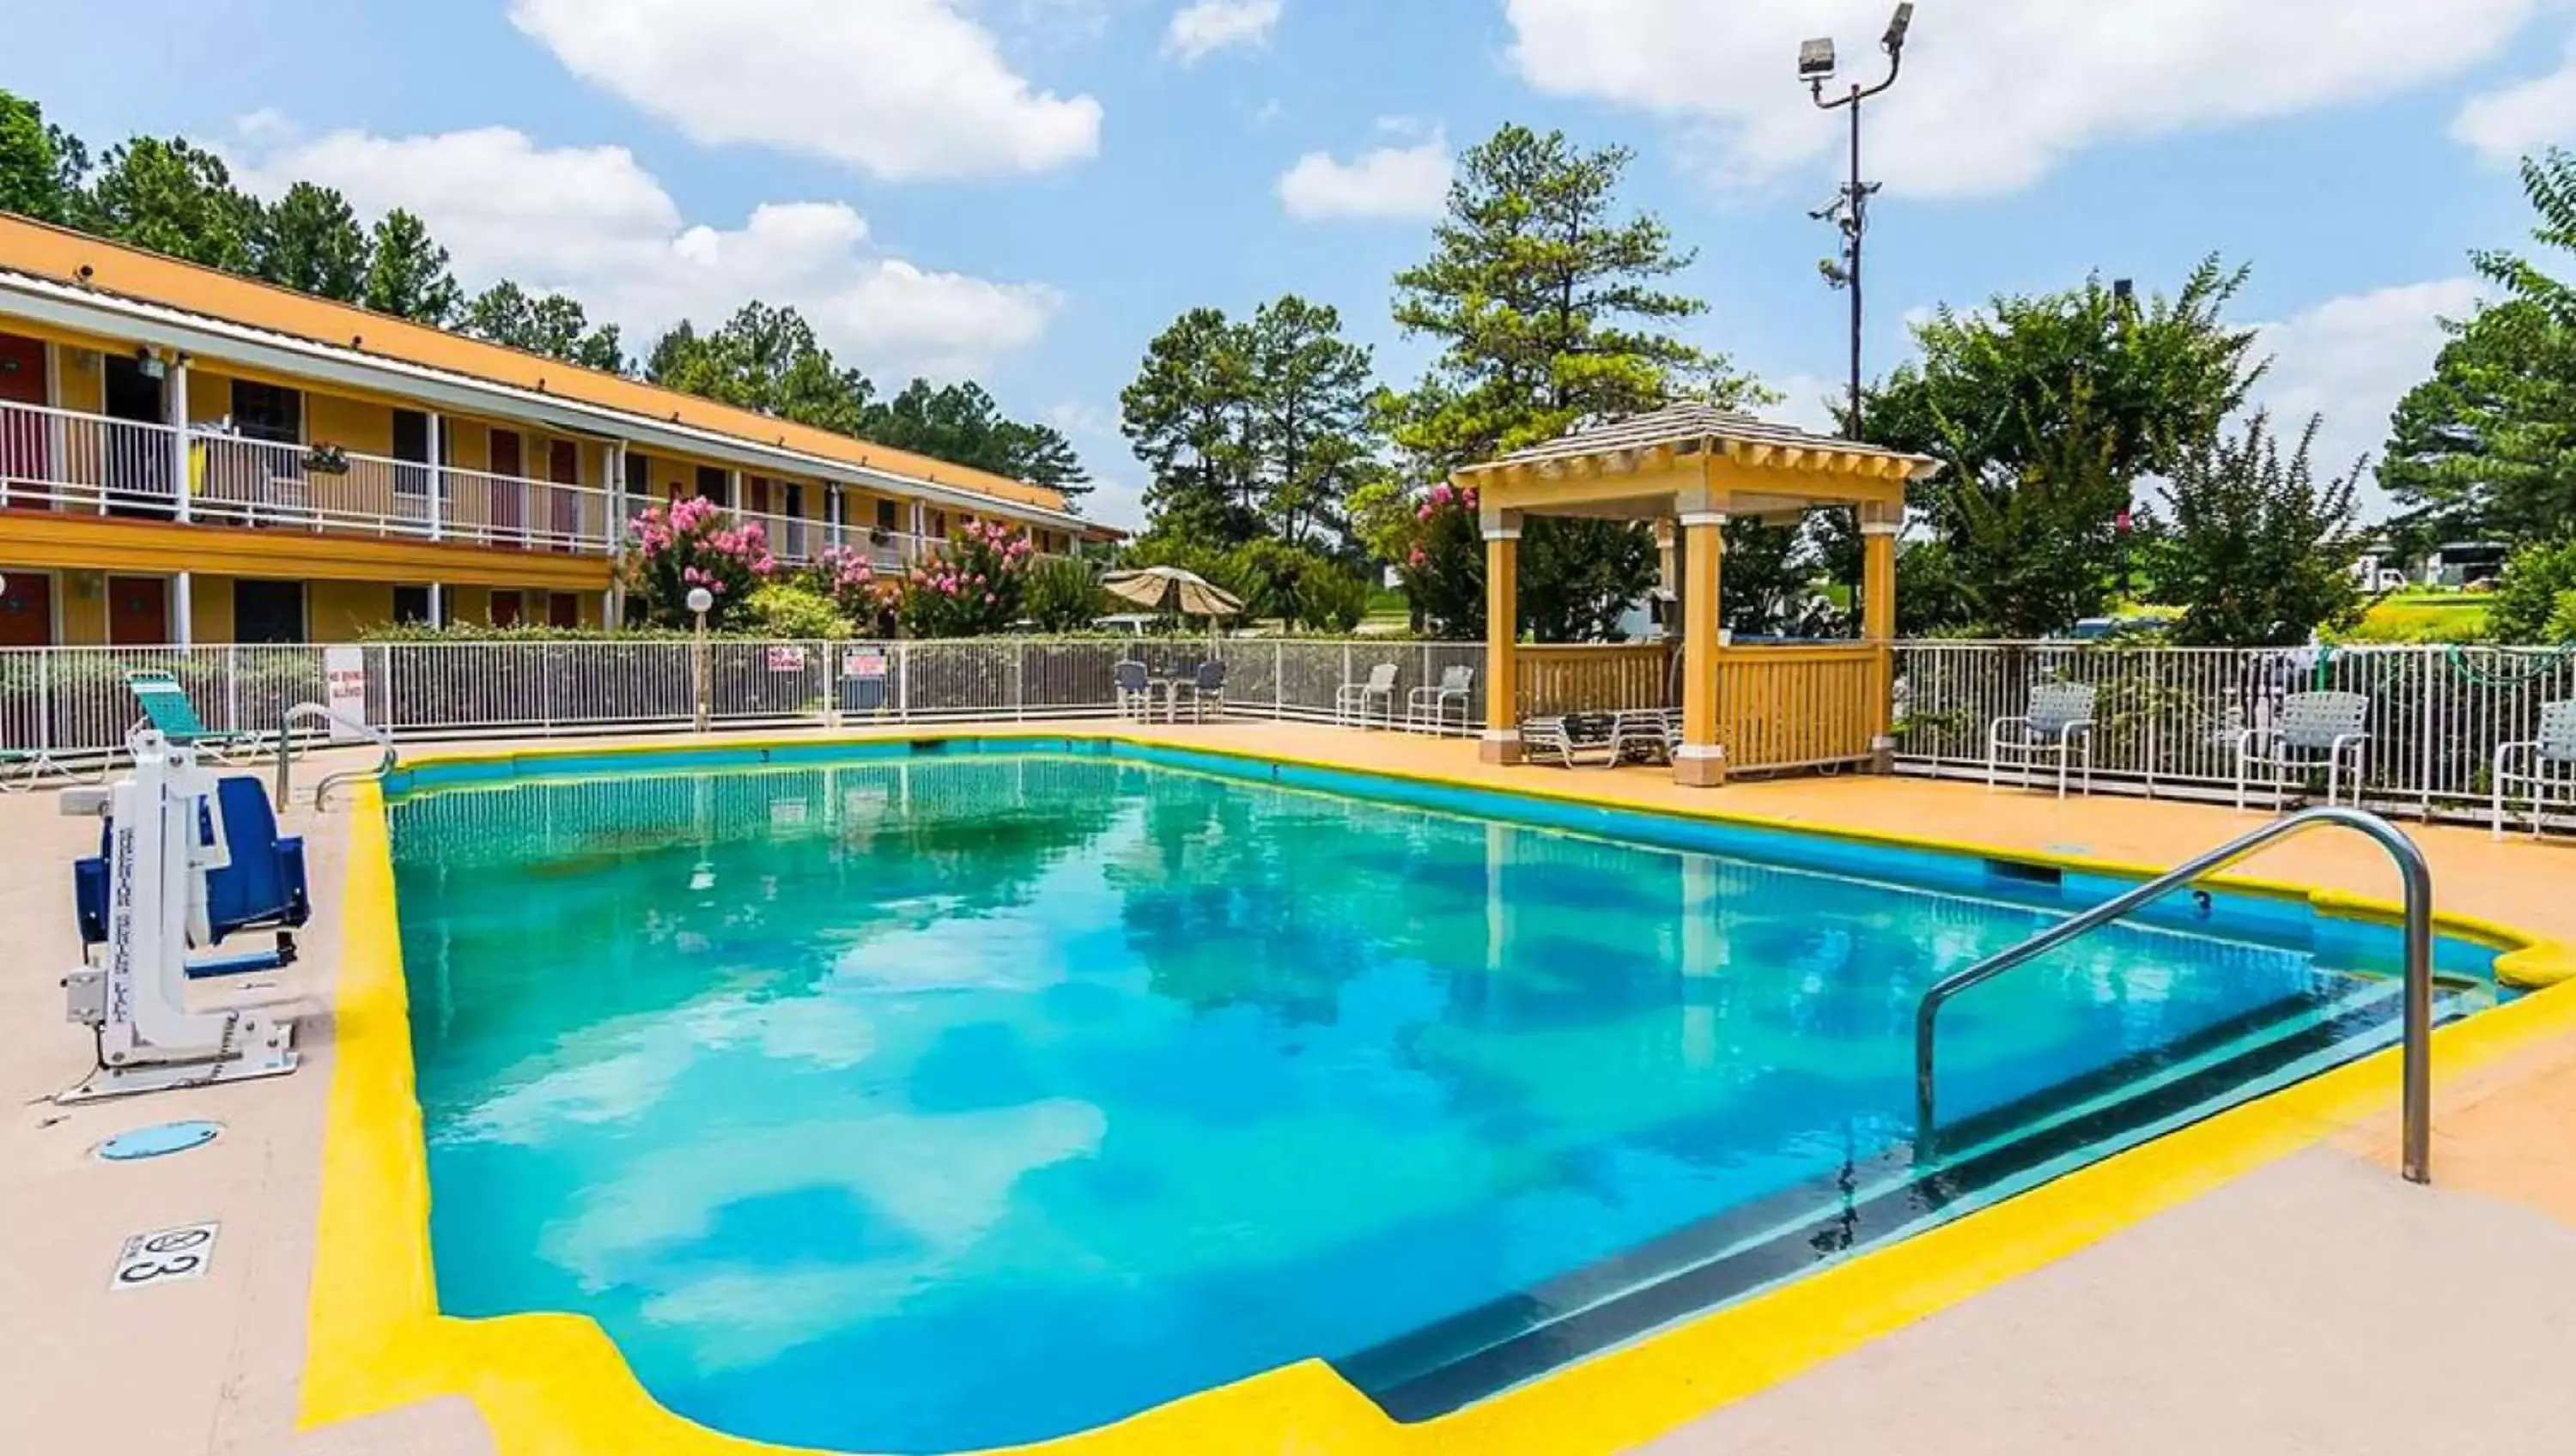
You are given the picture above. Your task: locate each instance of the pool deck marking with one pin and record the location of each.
(556, 1383)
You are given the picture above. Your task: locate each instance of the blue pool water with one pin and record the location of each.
(924, 1104)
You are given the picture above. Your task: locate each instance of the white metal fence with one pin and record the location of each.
(72, 702)
(2166, 717)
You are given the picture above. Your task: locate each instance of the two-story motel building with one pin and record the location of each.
(191, 457)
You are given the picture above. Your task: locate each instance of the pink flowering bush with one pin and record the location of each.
(972, 588)
(870, 600)
(692, 543)
(1444, 561)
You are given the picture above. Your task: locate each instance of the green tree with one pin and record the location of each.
(1767, 578)
(2048, 410)
(2260, 552)
(552, 324)
(1545, 298)
(1189, 417)
(2535, 599)
(310, 240)
(2487, 445)
(173, 198)
(764, 358)
(407, 271)
(31, 165)
(1041, 455)
(1310, 401)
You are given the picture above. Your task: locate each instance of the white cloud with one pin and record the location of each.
(591, 222)
(1209, 26)
(1809, 401)
(1996, 92)
(900, 88)
(2511, 121)
(1387, 182)
(1114, 500)
(2351, 359)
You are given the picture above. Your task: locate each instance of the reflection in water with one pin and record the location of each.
(944, 1103)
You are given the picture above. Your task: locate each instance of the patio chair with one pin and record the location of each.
(2312, 731)
(1135, 690)
(1205, 686)
(1648, 735)
(2549, 770)
(1351, 700)
(167, 709)
(2056, 726)
(1427, 708)
(1573, 740)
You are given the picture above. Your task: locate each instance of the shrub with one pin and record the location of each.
(972, 588)
(1061, 596)
(869, 602)
(689, 544)
(2535, 599)
(794, 609)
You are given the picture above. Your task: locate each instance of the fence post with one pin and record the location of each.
(232, 685)
(2424, 659)
(902, 680)
(1019, 680)
(1278, 681)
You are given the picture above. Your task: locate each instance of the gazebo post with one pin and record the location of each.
(1879, 526)
(1502, 741)
(1700, 760)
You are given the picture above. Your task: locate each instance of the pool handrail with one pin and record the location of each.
(2413, 870)
(317, 712)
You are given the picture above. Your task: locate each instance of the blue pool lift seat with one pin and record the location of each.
(262, 889)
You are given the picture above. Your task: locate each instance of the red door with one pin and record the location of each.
(23, 432)
(563, 609)
(563, 467)
(27, 610)
(138, 611)
(506, 609)
(509, 512)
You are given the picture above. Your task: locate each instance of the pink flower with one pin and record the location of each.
(1417, 560)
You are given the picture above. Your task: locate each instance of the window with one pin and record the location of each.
(411, 606)
(268, 611)
(268, 411)
(887, 520)
(563, 609)
(939, 525)
(639, 482)
(411, 445)
(711, 484)
(508, 610)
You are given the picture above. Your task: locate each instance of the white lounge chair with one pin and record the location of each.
(1648, 735)
(2056, 727)
(1351, 700)
(2548, 765)
(2314, 731)
(1574, 740)
(1427, 708)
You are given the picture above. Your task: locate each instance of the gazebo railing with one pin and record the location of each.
(1594, 678)
(1781, 708)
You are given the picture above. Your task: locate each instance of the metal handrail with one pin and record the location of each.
(286, 748)
(2412, 869)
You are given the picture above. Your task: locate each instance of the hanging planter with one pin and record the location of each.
(326, 460)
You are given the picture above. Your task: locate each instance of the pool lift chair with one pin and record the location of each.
(186, 859)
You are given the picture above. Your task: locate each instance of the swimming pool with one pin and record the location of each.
(926, 1100)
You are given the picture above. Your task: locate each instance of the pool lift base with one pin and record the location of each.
(165, 835)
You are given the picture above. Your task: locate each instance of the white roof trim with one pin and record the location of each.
(65, 306)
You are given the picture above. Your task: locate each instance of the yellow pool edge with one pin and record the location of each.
(555, 1383)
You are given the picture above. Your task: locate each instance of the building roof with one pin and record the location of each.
(62, 263)
(1690, 428)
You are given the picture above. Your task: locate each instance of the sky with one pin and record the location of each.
(1026, 191)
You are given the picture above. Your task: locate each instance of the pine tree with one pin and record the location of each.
(407, 271)
(310, 240)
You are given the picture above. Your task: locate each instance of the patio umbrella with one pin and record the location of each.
(1171, 590)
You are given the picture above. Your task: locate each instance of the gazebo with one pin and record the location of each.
(1690, 468)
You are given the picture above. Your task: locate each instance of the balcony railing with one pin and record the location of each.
(63, 461)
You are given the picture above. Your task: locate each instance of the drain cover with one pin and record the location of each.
(152, 1142)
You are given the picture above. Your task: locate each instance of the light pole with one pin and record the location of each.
(1851, 209)
(701, 601)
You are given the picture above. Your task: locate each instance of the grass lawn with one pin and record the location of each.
(2424, 616)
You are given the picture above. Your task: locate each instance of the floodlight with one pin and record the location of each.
(1897, 25)
(1816, 60)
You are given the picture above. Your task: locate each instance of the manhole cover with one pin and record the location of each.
(152, 1142)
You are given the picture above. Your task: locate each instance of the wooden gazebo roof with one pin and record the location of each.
(1716, 458)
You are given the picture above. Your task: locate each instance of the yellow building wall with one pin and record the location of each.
(80, 608)
(360, 427)
(80, 382)
(213, 617)
(340, 611)
(210, 394)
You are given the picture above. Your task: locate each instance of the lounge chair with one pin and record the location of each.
(1135, 690)
(1427, 708)
(1648, 735)
(1205, 686)
(2548, 769)
(2313, 731)
(167, 709)
(1573, 740)
(2057, 726)
(1351, 700)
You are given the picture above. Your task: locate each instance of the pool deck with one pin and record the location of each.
(2314, 1303)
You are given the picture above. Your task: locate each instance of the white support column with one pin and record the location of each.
(733, 490)
(437, 605)
(183, 608)
(919, 529)
(832, 507)
(174, 405)
(437, 492)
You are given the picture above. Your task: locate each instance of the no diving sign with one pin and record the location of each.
(165, 1257)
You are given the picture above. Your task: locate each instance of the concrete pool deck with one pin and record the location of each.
(2313, 1304)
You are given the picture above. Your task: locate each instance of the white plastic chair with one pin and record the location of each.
(2549, 765)
(1135, 690)
(2056, 726)
(1428, 707)
(2313, 731)
(1351, 700)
